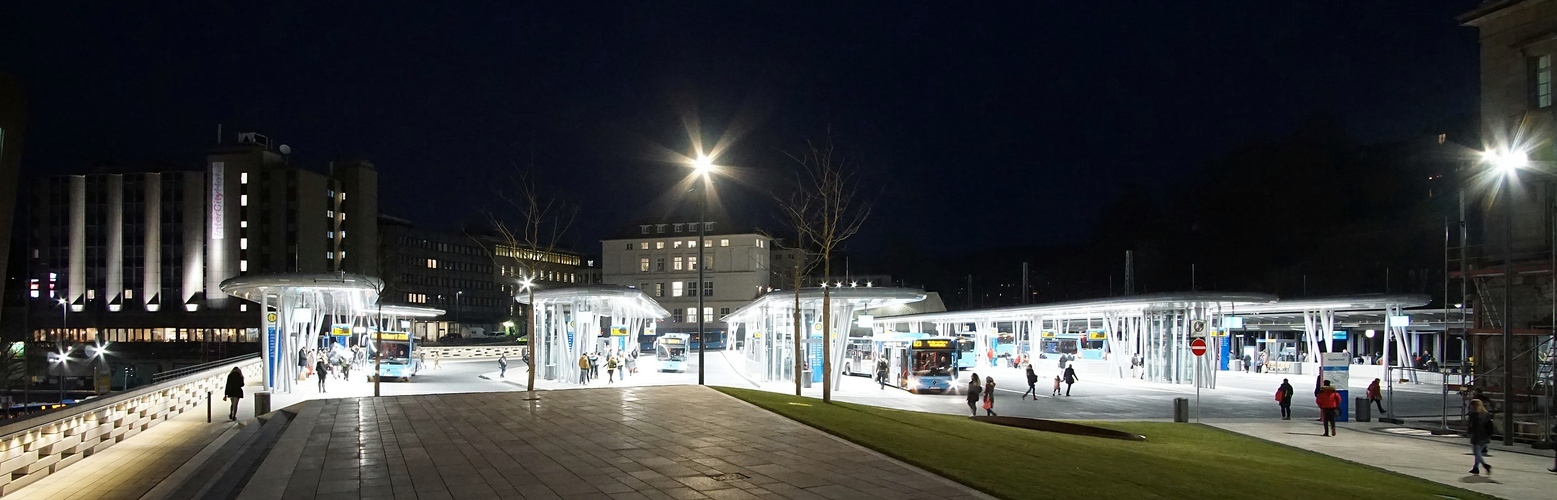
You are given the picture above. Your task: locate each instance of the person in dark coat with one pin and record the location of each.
(234, 391)
(1480, 429)
(321, 369)
(1376, 395)
(1070, 378)
(1284, 398)
(975, 393)
(1032, 383)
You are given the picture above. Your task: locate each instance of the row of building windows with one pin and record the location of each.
(679, 227)
(691, 314)
(678, 288)
(660, 245)
(84, 335)
(537, 255)
(677, 263)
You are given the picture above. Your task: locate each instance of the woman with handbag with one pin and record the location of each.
(989, 397)
(1480, 430)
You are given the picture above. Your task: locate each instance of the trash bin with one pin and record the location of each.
(261, 403)
(1180, 409)
(805, 379)
(1364, 411)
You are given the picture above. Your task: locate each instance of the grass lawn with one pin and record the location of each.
(1176, 461)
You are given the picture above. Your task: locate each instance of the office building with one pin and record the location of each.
(661, 258)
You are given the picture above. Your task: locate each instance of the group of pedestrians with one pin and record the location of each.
(324, 364)
(617, 366)
(981, 392)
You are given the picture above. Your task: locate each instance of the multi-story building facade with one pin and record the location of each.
(661, 258)
(1518, 57)
(473, 279)
(126, 255)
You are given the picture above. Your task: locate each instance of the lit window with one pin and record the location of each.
(343, 196)
(691, 314)
(91, 294)
(329, 214)
(724, 242)
(243, 223)
(329, 255)
(243, 243)
(243, 200)
(708, 243)
(659, 289)
(329, 235)
(708, 313)
(432, 263)
(1541, 81)
(643, 265)
(343, 216)
(675, 244)
(691, 263)
(243, 178)
(343, 234)
(343, 254)
(659, 245)
(692, 244)
(129, 294)
(676, 288)
(243, 266)
(643, 245)
(676, 263)
(759, 242)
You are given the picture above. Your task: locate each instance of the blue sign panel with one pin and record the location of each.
(1341, 335)
(273, 352)
(815, 351)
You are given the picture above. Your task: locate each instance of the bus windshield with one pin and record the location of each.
(932, 363)
(670, 353)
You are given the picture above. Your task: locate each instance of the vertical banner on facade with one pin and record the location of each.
(814, 349)
(218, 197)
(272, 350)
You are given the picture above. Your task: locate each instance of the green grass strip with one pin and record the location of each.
(1176, 460)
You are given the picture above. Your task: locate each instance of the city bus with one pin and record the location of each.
(860, 354)
(967, 359)
(671, 351)
(923, 365)
(715, 339)
(398, 356)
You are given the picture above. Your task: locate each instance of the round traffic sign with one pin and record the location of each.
(1198, 346)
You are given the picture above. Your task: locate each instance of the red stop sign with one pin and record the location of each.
(1198, 346)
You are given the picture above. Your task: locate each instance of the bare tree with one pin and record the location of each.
(536, 224)
(388, 285)
(798, 215)
(826, 214)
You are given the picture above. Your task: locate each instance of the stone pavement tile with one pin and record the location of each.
(1442, 459)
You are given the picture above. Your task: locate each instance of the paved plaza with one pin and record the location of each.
(623, 443)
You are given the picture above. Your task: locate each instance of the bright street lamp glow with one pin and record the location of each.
(1506, 161)
(526, 283)
(703, 164)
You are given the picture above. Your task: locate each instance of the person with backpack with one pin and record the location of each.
(502, 366)
(1032, 383)
(1480, 429)
(1284, 398)
(881, 373)
(610, 369)
(975, 393)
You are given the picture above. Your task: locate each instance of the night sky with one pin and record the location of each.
(977, 127)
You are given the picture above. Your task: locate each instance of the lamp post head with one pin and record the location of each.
(1506, 161)
(703, 164)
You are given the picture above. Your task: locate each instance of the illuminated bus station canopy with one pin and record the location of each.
(764, 328)
(568, 321)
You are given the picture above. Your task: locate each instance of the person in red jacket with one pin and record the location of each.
(1376, 396)
(1330, 406)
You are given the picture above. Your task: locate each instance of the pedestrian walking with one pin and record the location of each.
(1247, 360)
(594, 365)
(1056, 386)
(234, 391)
(1259, 364)
(1481, 431)
(1070, 378)
(1284, 398)
(881, 373)
(1376, 396)
(346, 367)
(303, 368)
(437, 360)
(989, 397)
(1329, 407)
(611, 369)
(975, 393)
(1032, 383)
(322, 370)
(583, 369)
(502, 366)
(632, 364)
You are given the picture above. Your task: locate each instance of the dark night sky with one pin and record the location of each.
(979, 127)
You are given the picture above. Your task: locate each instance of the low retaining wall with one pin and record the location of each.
(32, 449)
(472, 351)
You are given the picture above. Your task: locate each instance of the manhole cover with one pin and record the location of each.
(728, 477)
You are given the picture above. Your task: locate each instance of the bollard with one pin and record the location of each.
(261, 403)
(1181, 410)
(1363, 410)
(208, 407)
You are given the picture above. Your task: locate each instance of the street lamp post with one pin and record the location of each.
(59, 344)
(1508, 163)
(703, 165)
(457, 295)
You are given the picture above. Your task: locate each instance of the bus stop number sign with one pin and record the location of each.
(1198, 346)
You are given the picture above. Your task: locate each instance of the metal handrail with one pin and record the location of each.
(179, 372)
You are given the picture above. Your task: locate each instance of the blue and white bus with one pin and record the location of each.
(398, 356)
(670, 350)
(923, 365)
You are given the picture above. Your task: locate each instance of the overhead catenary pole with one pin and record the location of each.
(702, 343)
(1508, 317)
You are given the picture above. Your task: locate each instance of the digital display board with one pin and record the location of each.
(932, 344)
